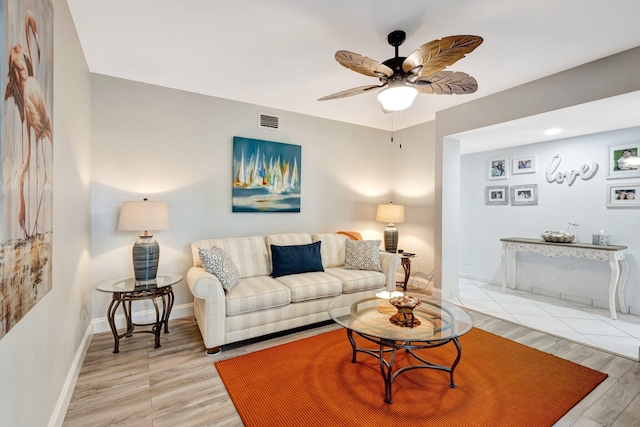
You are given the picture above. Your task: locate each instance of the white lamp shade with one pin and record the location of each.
(144, 216)
(390, 213)
(396, 98)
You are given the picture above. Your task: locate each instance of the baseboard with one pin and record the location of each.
(480, 279)
(102, 325)
(541, 291)
(60, 410)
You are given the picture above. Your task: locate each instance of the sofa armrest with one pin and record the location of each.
(203, 284)
(390, 263)
(210, 306)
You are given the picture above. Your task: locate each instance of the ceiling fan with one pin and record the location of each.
(420, 72)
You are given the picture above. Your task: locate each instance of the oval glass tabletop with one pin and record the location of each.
(132, 285)
(439, 320)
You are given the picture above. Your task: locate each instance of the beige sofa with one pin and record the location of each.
(260, 304)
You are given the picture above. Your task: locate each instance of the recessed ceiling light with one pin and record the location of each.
(552, 131)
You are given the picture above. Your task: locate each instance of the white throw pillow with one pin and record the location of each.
(362, 255)
(217, 262)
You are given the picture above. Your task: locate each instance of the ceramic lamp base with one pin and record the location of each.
(391, 239)
(146, 253)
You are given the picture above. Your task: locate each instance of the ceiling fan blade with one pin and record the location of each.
(362, 64)
(350, 92)
(412, 61)
(439, 54)
(447, 83)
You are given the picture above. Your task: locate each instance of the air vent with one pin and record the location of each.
(267, 121)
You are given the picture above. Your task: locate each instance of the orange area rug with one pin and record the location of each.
(312, 382)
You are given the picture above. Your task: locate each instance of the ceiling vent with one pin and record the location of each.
(267, 121)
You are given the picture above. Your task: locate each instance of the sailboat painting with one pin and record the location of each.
(266, 176)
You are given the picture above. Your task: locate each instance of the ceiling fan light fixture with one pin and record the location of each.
(397, 97)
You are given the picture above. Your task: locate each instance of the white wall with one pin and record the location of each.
(413, 187)
(482, 226)
(38, 353)
(175, 146)
(561, 90)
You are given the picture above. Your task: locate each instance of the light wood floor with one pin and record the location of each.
(177, 385)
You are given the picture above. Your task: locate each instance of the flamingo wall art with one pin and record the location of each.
(26, 143)
(266, 176)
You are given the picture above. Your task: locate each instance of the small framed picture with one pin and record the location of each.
(496, 195)
(524, 194)
(623, 195)
(623, 160)
(498, 168)
(524, 165)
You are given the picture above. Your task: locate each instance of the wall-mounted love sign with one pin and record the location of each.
(585, 171)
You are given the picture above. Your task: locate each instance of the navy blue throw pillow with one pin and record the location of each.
(295, 259)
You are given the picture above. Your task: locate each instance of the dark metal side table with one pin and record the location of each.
(406, 266)
(124, 291)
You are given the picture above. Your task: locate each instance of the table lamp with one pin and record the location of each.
(391, 214)
(145, 215)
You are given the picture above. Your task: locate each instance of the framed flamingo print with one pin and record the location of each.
(26, 142)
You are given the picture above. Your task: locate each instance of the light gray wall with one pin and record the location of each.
(38, 353)
(413, 187)
(482, 226)
(175, 146)
(572, 87)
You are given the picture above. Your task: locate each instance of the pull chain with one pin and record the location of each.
(392, 129)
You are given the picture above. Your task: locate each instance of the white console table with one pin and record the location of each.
(613, 254)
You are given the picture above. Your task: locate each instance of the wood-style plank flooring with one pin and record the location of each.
(177, 385)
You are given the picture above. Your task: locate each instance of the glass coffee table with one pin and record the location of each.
(440, 324)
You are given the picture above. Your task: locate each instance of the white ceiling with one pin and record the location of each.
(280, 53)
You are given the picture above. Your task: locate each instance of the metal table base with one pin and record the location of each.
(125, 299)
(392, 346)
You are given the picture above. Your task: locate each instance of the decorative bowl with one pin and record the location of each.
(405, 317)
(404, 301)
(558, 236)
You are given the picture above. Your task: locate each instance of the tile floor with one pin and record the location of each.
(581, 323)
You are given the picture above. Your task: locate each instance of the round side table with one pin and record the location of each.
(406, 265)
(124, 291)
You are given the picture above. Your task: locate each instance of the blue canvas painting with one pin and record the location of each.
(266, 176)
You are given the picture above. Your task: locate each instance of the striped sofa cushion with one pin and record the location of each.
(358, 280)
(332, 248)
(308, 286)
(249, 254)
(257, 293)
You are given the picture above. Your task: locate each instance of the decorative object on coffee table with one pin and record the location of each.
(391, 214)
(383, 298)
(405, 317)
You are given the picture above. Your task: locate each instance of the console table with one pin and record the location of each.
(612, 254)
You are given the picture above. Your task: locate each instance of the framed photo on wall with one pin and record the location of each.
(623, 195)
(524, 194)
(623, 160)
(524, 165)
(496, 195)
(498, 168)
